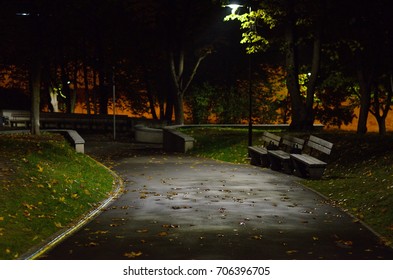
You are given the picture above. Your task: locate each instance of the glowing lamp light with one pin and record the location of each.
(23, 14)
(234, 7)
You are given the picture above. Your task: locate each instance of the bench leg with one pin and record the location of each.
(80, 148)
(255, 160)
(265, 161)
(299, 169)
(275, 164)
(287, 166)
(316, 172)
(312, 172)
(259, 159)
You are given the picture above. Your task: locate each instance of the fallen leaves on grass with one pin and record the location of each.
(58, 225)
(40, 168)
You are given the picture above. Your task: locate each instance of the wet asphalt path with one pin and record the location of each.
(182, 207)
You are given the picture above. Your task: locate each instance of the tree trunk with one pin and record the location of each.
(103, 94)
(182, 83)
(179, 109)
(298, 109)
(74, 92)
(149, 89)
(66, 88)
(95, 86)
(381, 125)
(169, 107)
(35, 97)
(311, 85)
(53, 99)
(365, 102)
(152, 105)
(86, 82)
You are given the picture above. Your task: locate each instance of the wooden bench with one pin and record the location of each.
(309, 165)
(20, 118)
(280, 160)
(258, 154)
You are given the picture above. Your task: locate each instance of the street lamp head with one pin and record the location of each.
(234, 5)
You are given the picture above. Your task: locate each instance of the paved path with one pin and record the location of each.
(182, 207)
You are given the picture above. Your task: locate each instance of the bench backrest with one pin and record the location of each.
(320, 145)
(270, 138)
(292, 142)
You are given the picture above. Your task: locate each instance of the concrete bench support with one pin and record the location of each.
(73, 137)
(145, 134)
(175, 141)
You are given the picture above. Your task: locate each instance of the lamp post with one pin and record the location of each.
(234, 6)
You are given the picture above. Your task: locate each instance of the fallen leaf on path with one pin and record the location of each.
(133, 254)
(170, 226)
(290, 252)
(257, 237)
(163, 233)
(344, 243)
(100, 232)
(180, 207)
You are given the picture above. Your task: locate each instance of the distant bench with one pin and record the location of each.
(20, 118)
(308, 165)
(70, 121)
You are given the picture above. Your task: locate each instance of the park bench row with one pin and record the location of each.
(292, 155)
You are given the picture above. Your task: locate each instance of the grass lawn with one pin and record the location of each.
(44, 186)
(359, 177)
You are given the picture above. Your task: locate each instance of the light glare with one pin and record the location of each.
(234, 7)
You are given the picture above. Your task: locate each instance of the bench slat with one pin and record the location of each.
(291, 141)
(320, 144)
(282, 155)
(260, 150)
(308, 160)
(268, 137)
